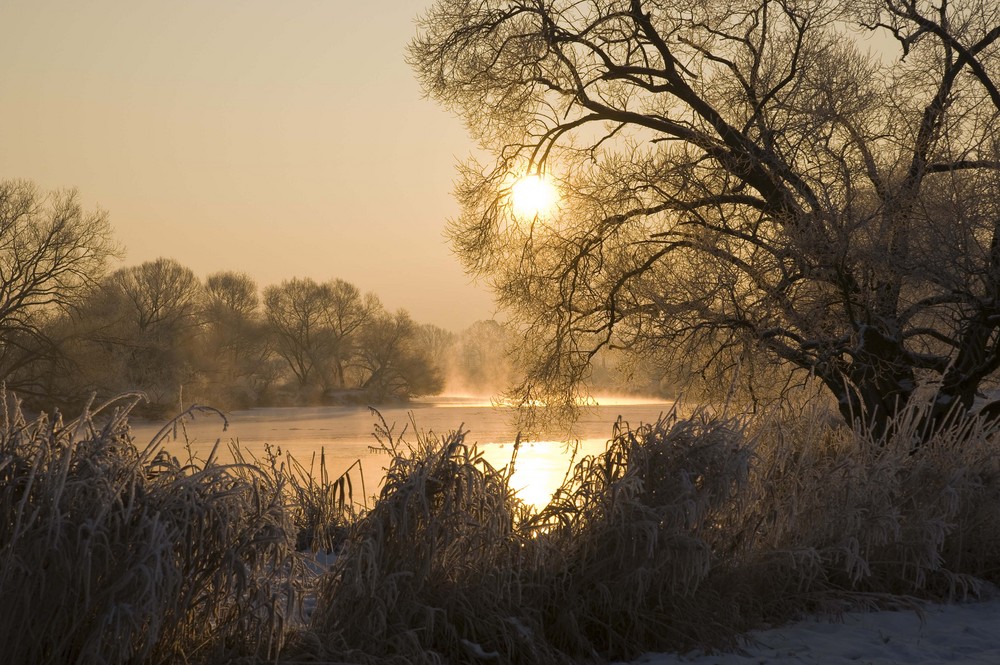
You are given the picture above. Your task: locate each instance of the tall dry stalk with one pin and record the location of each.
(111, 554)
(685, 532)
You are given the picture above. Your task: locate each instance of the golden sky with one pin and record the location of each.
(279, 137)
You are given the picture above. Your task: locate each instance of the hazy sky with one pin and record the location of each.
(279, 137)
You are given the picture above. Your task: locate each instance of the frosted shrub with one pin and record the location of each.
(629, 537)
(450, 566)
(434, 572)
(111, 554)
(685, 532)
(831, 519)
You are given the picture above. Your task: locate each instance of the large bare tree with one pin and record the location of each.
(743, 184)
(51, 251)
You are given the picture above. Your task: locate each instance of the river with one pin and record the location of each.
(345, 434)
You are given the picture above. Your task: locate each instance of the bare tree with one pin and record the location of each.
(395, 362)
(232, 294)
(316, 326)
(239, 352)
(146, 318)
(297, 312)
(438, 346)
(159, 297)
(743, 186)
(348, 311)
(482, 362)
(51, 252)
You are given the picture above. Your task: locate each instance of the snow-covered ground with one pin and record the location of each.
(937, 633)
(958, 633)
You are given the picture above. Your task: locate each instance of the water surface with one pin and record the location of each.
(345, 434)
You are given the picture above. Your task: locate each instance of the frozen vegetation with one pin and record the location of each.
(684, 535)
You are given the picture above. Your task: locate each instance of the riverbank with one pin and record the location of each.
(929, 635)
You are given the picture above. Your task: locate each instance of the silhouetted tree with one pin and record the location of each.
(315, 328)
(438, 346)
(51, 252)
(297, 313)
(238, 351)
(347, 312)
(743, 187)
(157, 297)
(141, 331)
(231, 294)
(393, 362)
(482, 358)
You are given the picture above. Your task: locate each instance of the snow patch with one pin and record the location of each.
(956, 633)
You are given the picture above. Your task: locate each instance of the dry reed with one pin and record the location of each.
(112, 554)
(684, 532)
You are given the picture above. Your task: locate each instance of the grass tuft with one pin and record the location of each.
(111, 554)
(685, 532)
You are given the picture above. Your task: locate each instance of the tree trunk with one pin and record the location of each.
(874, 385)
(975, 360)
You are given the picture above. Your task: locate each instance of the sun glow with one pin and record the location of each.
(533, 196)
(538, 471)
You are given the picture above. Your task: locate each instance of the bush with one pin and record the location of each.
(877, 517)
(685, 532)
(629, 538)
(434, 572)
(112, 554)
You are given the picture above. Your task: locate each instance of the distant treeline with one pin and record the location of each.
(157, 328)
(70, 327)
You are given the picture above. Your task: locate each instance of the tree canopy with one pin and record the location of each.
(777, 187)
(157, 328)
(51, 253)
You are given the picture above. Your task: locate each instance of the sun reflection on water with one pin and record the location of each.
(541, 466)
(344, 434)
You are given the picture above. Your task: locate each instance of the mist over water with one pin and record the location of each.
(345, 434)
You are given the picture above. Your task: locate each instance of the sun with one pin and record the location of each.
(533, 196)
